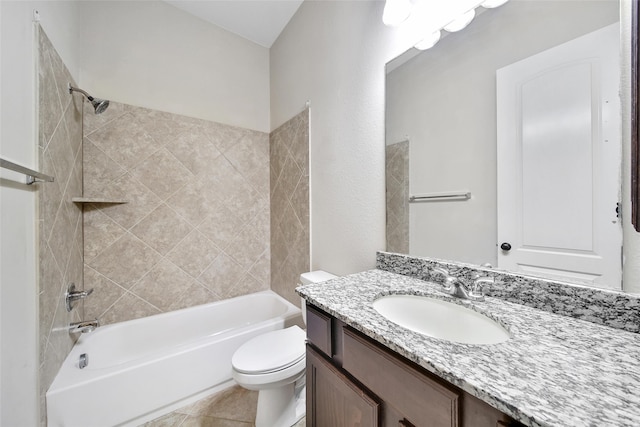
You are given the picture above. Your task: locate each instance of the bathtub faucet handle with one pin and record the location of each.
(71, 296)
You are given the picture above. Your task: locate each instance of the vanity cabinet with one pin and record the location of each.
(354, 381)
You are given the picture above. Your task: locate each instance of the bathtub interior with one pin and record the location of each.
(124, 342)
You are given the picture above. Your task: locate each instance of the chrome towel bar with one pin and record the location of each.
(32, 176)
(437, 197)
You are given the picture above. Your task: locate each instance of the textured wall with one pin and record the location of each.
(397, 178)
(333, 54)
(60, 225)
(161, 57)
(289, 167)
(195, 227)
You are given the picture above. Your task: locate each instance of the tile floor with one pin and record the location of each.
(234, 407)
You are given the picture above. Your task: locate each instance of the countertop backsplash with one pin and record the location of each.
(601, 306)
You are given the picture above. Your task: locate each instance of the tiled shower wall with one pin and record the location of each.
(397, 182)
(60, 225)
(290, 205)
(195, 225)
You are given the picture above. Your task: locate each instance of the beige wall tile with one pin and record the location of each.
(162, 229)
(221, 226)
(194, 253)
(195, 150)
(187, 204)
(192, 202)
(103, 170)
(93, 122)
(397, 196)
(129, 307)
(222, 275)
(140, 201)
(126, 261)
(195, 294)
(105, 293)
(289, 205)
(100, 231)
(60, 230)
(162, 173)
(163, 285)
(125, 140)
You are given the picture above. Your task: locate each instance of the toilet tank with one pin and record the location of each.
(309, 278)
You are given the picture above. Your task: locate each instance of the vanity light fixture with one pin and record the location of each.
(428, 41)
(460, 22)
(490, 4)
(396, 12)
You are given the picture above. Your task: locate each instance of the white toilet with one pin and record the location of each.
(274, 364)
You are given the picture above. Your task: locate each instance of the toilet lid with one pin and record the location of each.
(269, 352)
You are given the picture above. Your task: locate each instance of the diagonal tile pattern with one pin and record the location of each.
(397, 182)
(60, 225)
(289, 177)
(196, 225)
(233, 407)
(208, 204)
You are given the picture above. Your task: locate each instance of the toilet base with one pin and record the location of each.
(281, 407)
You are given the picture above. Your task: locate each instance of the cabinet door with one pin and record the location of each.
(333, 400)
(423, 401)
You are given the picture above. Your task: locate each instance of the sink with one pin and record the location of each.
(440, 319)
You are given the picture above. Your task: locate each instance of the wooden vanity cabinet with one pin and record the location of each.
(353, 381)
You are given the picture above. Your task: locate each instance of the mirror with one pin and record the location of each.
(447, 129)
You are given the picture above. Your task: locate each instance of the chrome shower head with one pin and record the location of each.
(99, 105)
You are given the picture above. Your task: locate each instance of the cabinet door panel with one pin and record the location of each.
(423, 401)
(319, 330)
(333, 400)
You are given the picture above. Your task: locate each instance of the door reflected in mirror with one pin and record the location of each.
(521, 110)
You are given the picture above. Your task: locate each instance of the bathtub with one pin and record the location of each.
(142, 369)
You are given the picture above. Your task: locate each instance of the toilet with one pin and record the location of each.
(274, 364)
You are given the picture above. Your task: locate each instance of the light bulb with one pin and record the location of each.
(460, 22)
(429, 41)
(490, 4)
(396, 12)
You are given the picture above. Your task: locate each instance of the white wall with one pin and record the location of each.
(154, 55)
(333, 54)
(18, 251)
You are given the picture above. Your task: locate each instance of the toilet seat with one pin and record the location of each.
(271, 352)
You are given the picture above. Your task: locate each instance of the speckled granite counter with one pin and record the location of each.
(554, 371)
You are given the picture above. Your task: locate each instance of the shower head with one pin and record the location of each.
(99, 105)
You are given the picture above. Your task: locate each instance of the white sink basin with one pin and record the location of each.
(440, 319)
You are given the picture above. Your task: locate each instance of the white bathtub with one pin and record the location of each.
(141, 369)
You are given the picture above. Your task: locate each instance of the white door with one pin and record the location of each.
(559, 159)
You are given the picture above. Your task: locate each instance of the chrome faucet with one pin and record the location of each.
(83, 326)
(71, 296)
(456, 287)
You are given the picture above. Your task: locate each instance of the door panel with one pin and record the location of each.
(559, 161)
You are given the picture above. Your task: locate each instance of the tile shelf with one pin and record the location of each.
(96, 200)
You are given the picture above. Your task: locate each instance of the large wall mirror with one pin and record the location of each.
(504, 143)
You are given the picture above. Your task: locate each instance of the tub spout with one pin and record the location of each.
(83, 326)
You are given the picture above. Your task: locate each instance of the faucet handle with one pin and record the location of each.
(478, 281)
(440, 272)
(73, 295)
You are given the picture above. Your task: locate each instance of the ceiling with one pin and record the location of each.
(260, 21)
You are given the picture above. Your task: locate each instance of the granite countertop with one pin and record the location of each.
(554, 371)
